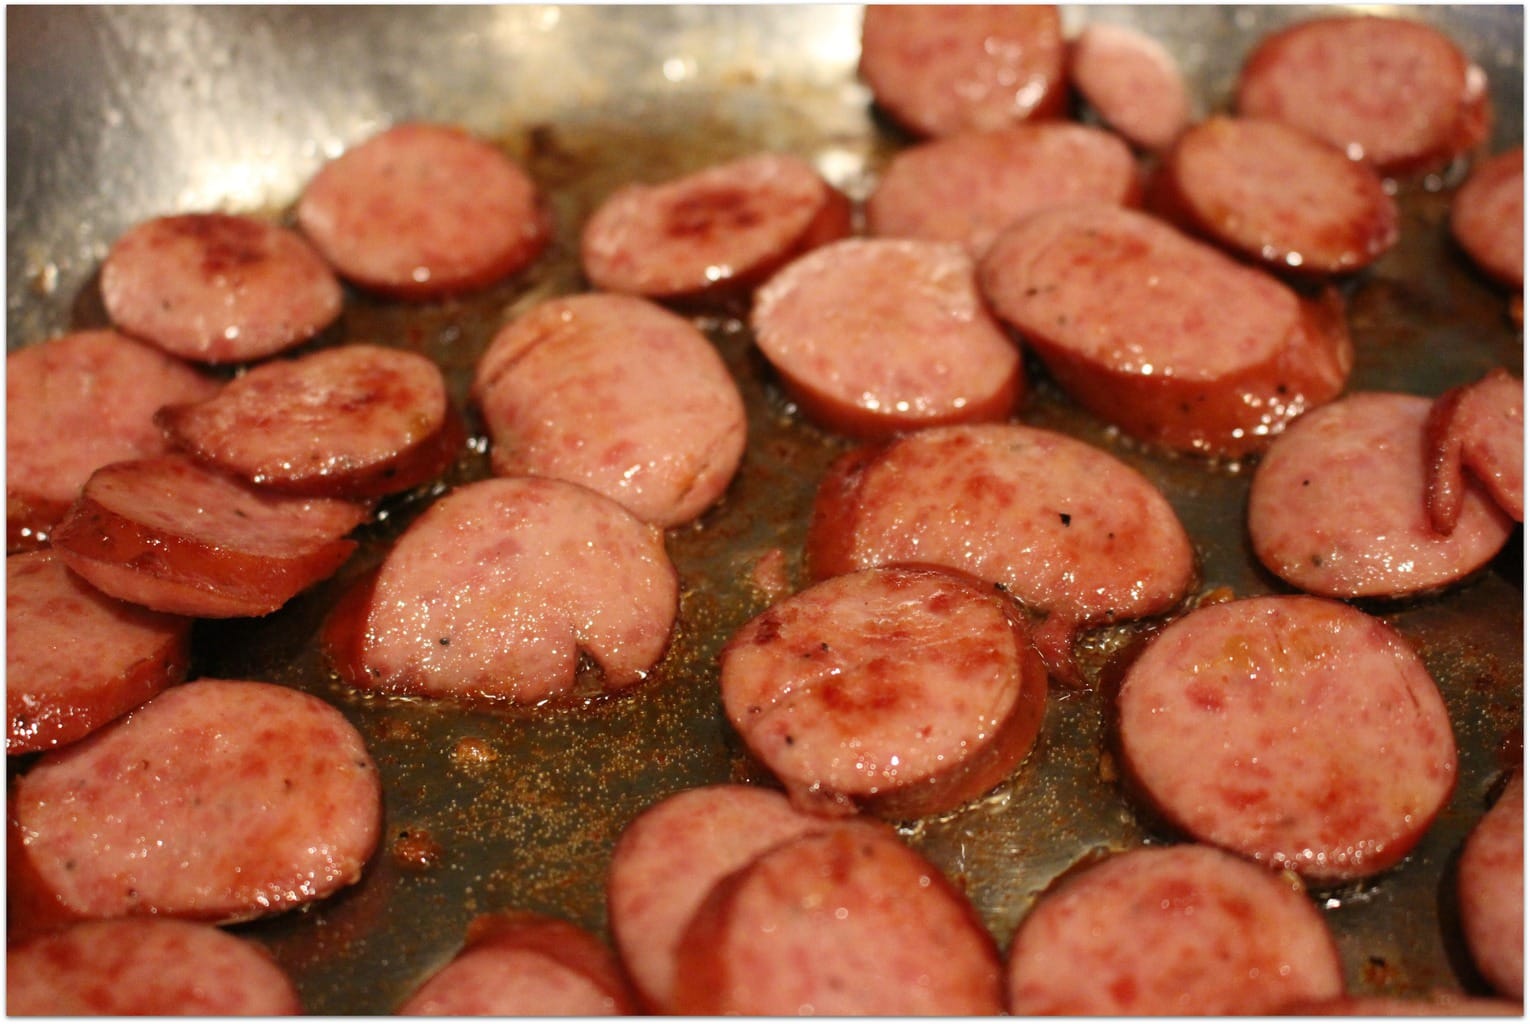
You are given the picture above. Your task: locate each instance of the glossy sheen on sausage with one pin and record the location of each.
(1166, 337)
(1322, 743)
(496, 590)
(355, 421)
(902, 691)
(1132, 82)
(1277, 196)
(75, 658)
(218, 287)
(172, 535)
(848, 921)
(154, 967)
(872, 337)
(420, 210)
(1391, 91)
(1490, 889)
(1069, 530)
(966, 188)
(939, 69)
(721, 229)
(1487, 217)
(73, 404)
(1337, 505)
(617, 394)
(1477, 428)
(1184, 930)
(218, 800)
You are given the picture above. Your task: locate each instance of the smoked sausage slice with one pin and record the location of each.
(1487, 217)
(1490, 888)
(1478, 427)
(1132, 82)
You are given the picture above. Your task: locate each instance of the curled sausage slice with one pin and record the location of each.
(1490, 888)
(1478, 427)
(1132, 82)
(1487, 217)
(1323, 745)
(218, 800)
(495, 591)
(1209, 934)
(903, 691)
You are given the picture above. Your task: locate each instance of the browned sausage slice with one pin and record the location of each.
(724, 228)
(75, 658)
(872, 337)
(1322, 743)
(939, 70)
(903, 691)
(1487, 217)
(1478, 427)
(1070, 531)
(524, 964)
(495, 591)
(74, 404)
(218, 287)
(1208, 933)
(423, 210)
(1277, 196)
(966, 188)
(1132, 82)
(1337, 506)
(153, 967)
(357, 421)
(1490, 887)
(1167, 337)
(1393, 92)
(617, 394)
(172, 535)
(218, 800)
(848, 921)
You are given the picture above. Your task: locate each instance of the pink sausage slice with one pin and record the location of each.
(1393, 92)
(1181, 931)
(1487, 217)
(75, 658)
(1071, 532)
(174, 536)
(496, 590)
(218, 800)
(722, 229)
(154, 967)
(939, 70)
(966, 188)
(1277, 196)
(903, 691)
(848, 921)
(1132, 82)
(1490, 888)
(74, 404)
(1164, 336)
(218, 287)
(1337, 506)
(1322, 744)
(524, 964)
(421, 211)
(873, 337)
(1478, 427)
(358, 421)
(617, 394)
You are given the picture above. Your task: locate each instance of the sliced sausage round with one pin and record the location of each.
(872, 337)
(939, 70)
(75, 658)
(721, 229)
(420, 211)
(1277, 196)
(903, 691)
(1478, 427)
(172, 535)
(1183, 931)
(1168, 338)
(848, 921)
(1337, 506)
(356, 421)
(1487, 217)
(966, 188)
(218, 287)
(1133, 83)
(1394, 92)
(524, 964)
(498, 588)
(218, 800)
(617, 394)
(138, 966)
(1322, 743)
(1071, 532)
(73, 404)
(1490, 888)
